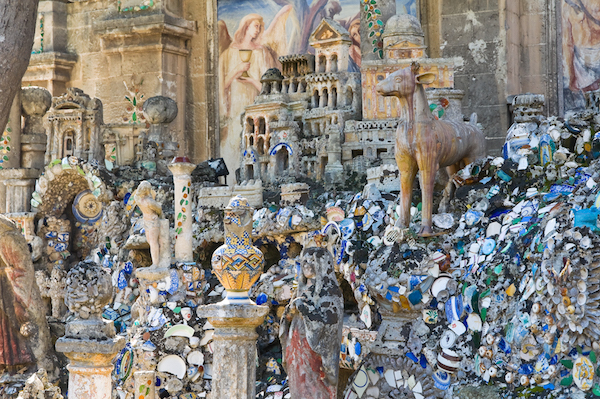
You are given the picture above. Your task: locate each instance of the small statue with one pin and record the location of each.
(157, 228)
(425, 144)
(24, 332)
(311, 329)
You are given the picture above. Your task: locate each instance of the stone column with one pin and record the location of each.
(234, 344)
(89, 343)
(182, 169)
(387, 9)
(19, 185)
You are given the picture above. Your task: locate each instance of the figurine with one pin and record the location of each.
(425, 144)
(24, 333)
(157, 228)
(311, 329)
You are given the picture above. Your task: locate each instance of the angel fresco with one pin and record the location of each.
(239, 80)
(581, 49)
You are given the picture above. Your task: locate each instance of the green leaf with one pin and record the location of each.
(5, 158)
(596, 390)
(134, 117)
(369, 15)
(370, 24)
(181, 202)
(380, 22)
(374, 42)
(179, 216)
(134, 101)
(593, 356)
(567, 363)
(372, 34)
(381, 54)
(377, 11)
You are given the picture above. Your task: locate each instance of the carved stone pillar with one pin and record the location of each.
(234, 344)
(182, 169)
(89, 342)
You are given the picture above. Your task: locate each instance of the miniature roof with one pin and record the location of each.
(329, 31)
(272, 75)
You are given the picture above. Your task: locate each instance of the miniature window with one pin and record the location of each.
(68, 145)
(334, 63)
(322, 64)
(282, 160)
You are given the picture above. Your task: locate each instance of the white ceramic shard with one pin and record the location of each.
(172, 364)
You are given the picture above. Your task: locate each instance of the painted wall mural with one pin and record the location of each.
(581, 50)
(269, 29)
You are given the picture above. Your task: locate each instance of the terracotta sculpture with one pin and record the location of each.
(157, 228)
(311, 329)
(24, 333)
(424, 143)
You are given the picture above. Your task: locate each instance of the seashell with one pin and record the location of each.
(584, 273)
(551, 289)
(509, 378)
(581, 286)
(482, 350)
(562, 309)
(536, 308)
(524, 380)
(566, 301)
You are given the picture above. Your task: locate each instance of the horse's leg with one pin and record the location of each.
(408, 170)
(450, 187)
(428, 167)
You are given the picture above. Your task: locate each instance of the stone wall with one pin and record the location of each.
(501, 48)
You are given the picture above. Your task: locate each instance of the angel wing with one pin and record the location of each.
(275, 36)
(224, 37)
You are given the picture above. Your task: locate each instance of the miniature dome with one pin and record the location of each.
(272, 75)
(404, 26)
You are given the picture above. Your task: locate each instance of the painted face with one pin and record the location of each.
(308, 270)
(253, 29)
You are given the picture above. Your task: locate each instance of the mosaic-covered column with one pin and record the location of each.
(89, 343)
(373, 16)
(182, 169)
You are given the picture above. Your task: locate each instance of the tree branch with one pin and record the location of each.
(17, 30)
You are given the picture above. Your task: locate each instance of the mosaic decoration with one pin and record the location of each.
(41, 48)
(375, 26)
(87, 208)
(135, 98)
(126, 6)
(237, 263)
(182, 217)
(5, 145)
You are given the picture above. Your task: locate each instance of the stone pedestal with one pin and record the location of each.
(90, 343)
(182, 169)
(19, 185)
(33, 148)
(234, 344)
(90, 366)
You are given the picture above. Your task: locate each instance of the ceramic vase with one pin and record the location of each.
(237, 263)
